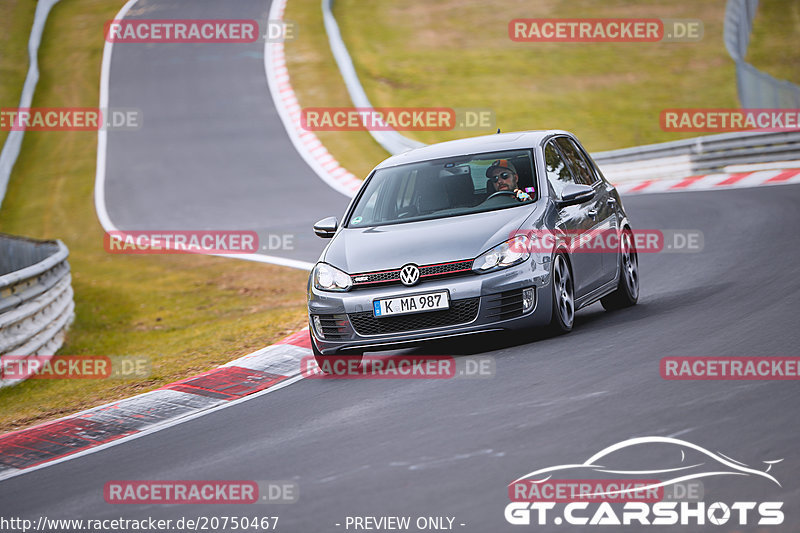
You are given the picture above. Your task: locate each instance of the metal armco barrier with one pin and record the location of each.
(699, 155)
(36, 305)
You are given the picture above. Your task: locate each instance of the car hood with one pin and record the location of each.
(424, 242)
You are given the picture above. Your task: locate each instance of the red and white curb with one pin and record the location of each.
(711, 182)
(100, 167)
(307, 144)
(248, 377)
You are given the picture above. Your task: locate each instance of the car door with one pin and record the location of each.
(572, 221)
(602, 213)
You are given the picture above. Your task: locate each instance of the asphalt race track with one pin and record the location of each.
(450, 447)
(213, 153)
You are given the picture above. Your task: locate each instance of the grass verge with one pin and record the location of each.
(16, 19)
(610, 94)
(773, 43)
(458, 54)
(186, 313)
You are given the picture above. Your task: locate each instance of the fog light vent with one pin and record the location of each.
(331, 327)
(318, 327)
(528, 298)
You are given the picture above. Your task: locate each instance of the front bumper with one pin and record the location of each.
(478, 303)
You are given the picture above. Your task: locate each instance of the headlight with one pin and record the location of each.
(328, 278)
(511, 252)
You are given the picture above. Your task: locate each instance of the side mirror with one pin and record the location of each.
(574, 194)
(326, 227)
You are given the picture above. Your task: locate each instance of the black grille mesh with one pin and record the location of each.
(392, 275)
(504, 305)
(445, 269)
(334, 327)
(460, 312)
(428, 272)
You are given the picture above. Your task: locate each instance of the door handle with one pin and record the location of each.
(611, 201)
(593, 213)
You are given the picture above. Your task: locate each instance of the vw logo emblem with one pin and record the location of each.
(409, 275)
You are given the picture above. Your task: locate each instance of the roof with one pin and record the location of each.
(486, 143)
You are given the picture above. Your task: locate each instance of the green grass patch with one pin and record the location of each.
(16, 19)
(458, 54)
(186, 313)
(774, 42)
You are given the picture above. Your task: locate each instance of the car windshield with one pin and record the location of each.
(445, 188)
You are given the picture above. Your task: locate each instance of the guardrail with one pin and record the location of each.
(36, 305)
(698, 155)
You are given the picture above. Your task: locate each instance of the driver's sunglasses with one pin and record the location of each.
(504, 175)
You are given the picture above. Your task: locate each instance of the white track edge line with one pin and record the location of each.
(153, 429)
(276, 13)
(12, 146)
(105, 221)
(100, 170)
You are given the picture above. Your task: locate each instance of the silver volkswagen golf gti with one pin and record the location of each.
(470, 236)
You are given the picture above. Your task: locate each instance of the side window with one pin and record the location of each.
(558, 173)
(583, 171)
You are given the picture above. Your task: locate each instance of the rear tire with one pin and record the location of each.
(627, 292)
(563, 289)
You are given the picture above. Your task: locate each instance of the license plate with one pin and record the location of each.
(411, 304)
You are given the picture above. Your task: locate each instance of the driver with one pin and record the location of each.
(503, 176)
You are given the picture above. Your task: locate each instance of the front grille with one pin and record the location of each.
(369, 279)
(504, 305)
(460, 312)
(444, 268)
(334, 327)
(377, 277)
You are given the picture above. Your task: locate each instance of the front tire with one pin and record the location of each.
(563, 288)
(627, 292)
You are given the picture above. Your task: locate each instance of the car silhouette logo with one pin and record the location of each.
(409, 275)
(706, 464)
